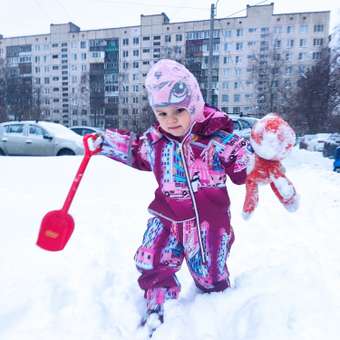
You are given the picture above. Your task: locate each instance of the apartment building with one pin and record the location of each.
(96, 77)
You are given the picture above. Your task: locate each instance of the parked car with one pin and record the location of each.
(38, 138)
(331, 144)
(336, 164)
(242, 124)
(84, 130)
(314, 142)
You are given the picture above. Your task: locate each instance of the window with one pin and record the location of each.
(317, 42)
(239, 46)
(303, 28)
(227, 46)
(277, 43)
(14, 128)
(225, 98)
(36, 131)
(46, 80)
(83, 44)
(290, 43)
(227, 60)
(290, 29)
(301, 70)
(316, 55)
(178, 37)
(236, 85)
(237, 59)
(135, 40)
(125, 54)
(135, 64)
(146, 50)
(225, 84)
(125, 41)
(289, 70)
(303, 42)
(302, 56)
(239, 32)
(83, 56)
(157, 37)
(278, 29)
(146, 38)
(135, 53)
(228, 34)
(237, 98)
(288, 56)
(251, 30)
(167, 38)
(277, 56)
(318, 28)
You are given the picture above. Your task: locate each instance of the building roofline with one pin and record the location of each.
(170, 23)
(294, 13)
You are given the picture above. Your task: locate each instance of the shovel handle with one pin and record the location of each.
(88, 153)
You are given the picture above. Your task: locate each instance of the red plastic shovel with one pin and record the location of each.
(57, 225)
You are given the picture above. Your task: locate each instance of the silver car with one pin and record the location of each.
(35, 138)
(242, 125)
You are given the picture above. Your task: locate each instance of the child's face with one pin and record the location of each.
(173, 120)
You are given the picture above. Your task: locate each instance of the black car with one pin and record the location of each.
(330, 145)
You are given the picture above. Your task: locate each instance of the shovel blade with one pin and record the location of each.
(55, 230)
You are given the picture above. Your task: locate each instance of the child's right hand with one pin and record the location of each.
(98, 141)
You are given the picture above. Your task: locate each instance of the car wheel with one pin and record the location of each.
(66, 152)
(2, 153)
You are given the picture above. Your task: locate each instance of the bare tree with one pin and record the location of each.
(3, 114)
(270, 74)
(309, 109)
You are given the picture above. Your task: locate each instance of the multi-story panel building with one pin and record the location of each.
(96, 77)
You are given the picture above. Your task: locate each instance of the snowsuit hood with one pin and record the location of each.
(170, 83)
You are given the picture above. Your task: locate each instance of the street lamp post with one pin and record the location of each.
(211, 46)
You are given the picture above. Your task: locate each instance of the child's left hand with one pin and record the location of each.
(272, 139)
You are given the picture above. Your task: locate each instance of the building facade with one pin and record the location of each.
(96, 77)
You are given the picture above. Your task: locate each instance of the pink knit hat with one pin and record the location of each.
(169, 83)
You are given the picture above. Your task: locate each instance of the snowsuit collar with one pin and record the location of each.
(214, 120)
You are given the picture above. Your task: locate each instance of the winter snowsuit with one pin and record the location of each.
(191, 205)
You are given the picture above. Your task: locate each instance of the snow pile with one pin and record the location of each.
(285, 268)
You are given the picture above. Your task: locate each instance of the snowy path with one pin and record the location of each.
(285, 268)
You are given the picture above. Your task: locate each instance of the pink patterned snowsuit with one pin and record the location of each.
(191, 218)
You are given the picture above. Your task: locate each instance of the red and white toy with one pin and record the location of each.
(272, 139)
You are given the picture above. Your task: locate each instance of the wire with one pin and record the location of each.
(242, 10)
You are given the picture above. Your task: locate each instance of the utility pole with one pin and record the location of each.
(211, 46)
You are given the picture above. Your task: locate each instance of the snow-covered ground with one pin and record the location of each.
(285, 267)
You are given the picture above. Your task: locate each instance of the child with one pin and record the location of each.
(191, 150)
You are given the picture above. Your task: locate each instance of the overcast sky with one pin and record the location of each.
(26, 17)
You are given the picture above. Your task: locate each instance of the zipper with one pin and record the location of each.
(204, 259)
